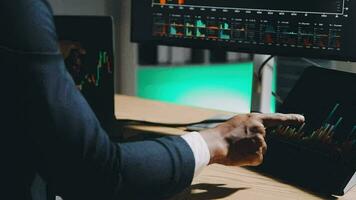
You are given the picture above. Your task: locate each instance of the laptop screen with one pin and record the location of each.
(87, 46)
(327, 98)
(319, 154)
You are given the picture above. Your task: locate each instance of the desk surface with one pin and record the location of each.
(221, 182)
(133, 108)
(216, 181)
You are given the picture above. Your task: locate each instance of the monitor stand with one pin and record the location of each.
(262, 90)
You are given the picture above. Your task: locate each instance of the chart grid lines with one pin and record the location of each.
(252, 9)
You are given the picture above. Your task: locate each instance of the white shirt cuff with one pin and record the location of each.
(200, 150)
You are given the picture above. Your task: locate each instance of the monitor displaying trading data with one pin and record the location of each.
(308, 28)
(87, 46)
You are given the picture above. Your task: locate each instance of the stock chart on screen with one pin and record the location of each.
(314, 27)
(87, 46)
(89, 77)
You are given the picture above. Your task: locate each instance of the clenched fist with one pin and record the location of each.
(241, 140)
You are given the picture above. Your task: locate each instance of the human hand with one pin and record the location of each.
(240, 141)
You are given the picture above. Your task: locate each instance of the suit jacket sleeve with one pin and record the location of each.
(73, 153)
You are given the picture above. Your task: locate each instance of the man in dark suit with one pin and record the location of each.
(49, 129)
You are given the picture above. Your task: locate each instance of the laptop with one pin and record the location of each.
(322, 161)
(87, 43)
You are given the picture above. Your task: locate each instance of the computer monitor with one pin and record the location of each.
(304, 28)
(87, 45)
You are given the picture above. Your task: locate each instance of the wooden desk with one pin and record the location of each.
(216, 181)
(221, 182)
(133, 108)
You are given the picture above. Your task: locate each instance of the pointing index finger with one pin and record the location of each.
(281, 119)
